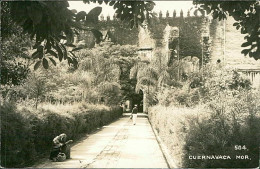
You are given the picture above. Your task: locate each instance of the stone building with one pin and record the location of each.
(226, 47)
(194, 40)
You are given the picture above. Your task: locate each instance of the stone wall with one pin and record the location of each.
(225, 39)
(226, 46)
(233, 41)
(154, 37)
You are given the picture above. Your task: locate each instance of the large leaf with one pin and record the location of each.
(52, 53)
(45, 63)
(246, 44)
(98, 35)
(60, 52)
(245, 51)
(70, 45)
(75, 62)
(81, 15)
(35, 55)
(65, 53)
(92, 16)
(38, 53)
(76, 49)
(111, 3)
(53, 61)
(36, 66)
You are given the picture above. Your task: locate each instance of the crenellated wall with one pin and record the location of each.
(189, 38)
(225, 40)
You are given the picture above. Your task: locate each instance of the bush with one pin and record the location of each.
(230, 118)
(179, 96)
(171, 124)
(229, 115)
(27, 133)
(233, 120)
(16, 137)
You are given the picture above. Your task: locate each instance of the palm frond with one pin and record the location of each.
(144, 83)
(109, 86)
(134, 71)
(164, 78)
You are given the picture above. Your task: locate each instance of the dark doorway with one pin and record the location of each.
(138, 100)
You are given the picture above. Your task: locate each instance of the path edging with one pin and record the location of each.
(170, 162)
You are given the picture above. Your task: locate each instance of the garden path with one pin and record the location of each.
(118, 145)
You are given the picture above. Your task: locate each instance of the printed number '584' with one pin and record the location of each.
(240, 147)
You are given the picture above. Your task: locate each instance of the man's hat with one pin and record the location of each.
(135, 105)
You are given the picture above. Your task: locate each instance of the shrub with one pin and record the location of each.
(229, 115)
(233, 120)
(179, 96)
(27, 133)
(16, 137)
(212, 129)
(171, 124)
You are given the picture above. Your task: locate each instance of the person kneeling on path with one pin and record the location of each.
(134, 114)
(60, 149)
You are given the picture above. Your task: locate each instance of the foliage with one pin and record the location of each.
(233, 120)
(245, 13)
(171, 124)
(16, 135)
(35, 87)
(27, 134)
(202, 86)
(110, 64)
(44, 22)
(226, 114)
(110, 91)
(223, 80)
(189, 33)
(133, 12)
(102, 76)
(52, 23)
(211, 129)
(152, 78)
(15, 59)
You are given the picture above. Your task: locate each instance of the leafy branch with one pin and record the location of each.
(246, 15)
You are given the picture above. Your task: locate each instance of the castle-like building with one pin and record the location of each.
(181, 37)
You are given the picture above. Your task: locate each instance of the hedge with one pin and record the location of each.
(205, 132)
(27, 134)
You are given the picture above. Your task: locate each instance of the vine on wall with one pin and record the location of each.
(190, 33)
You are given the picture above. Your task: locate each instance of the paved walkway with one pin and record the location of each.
(118, 145)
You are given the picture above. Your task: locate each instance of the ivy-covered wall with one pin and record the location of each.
(190, 29)
(189, 37)
(120, 32)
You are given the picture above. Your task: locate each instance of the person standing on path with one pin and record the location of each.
(134, 114)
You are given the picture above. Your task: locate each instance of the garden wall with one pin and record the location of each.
(27, 134)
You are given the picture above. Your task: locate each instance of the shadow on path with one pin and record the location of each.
(118, 145)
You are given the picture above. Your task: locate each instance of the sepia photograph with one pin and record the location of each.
(130, 84)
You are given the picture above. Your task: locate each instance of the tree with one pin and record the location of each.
(49, 22)
(36, 87)
(14, 51)
(110, 64)
(246, 14)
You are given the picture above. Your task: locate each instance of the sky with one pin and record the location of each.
(160, 6)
